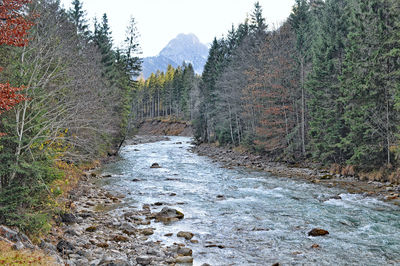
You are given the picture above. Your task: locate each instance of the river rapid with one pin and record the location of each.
(254, 218)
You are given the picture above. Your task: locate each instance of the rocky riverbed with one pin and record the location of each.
(230, 158)
(91, 235)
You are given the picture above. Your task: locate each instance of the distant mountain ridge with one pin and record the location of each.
(184, 48)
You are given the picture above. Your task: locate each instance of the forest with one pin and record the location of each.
(323, 87)
(65, 102)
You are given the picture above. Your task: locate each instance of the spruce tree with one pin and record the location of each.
(327, 126)
(367, 93)
(78, 17)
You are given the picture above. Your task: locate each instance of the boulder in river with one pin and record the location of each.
(186, 235)
(167, 215)
(155, 165)
(147, 231)
(184, 259)
(185, 251)
(143, 260)
(318, 232)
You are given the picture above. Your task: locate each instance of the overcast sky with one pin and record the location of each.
(159, 21)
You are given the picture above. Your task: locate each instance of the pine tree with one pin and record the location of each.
(78, 17)
(368, 93)
(257, 20)
(102, 38)
(327, 126)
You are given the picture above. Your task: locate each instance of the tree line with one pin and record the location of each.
(324, 86)
(170, 94)
(69, 102)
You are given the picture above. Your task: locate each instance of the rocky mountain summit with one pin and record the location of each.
(184, 48)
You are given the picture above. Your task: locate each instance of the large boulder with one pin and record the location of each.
(15, 237)
(186, 235)
(167, 215)
(155, 165)
(318, 232)
(68, 218)
(184, 259)
(9, 234)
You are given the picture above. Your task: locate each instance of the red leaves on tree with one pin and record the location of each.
(13, 31)
(9, 97)
(13, 25)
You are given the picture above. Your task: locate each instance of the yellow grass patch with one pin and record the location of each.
(23, 257)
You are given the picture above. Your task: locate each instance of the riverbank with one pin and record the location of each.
(89, 233)
(231, 158)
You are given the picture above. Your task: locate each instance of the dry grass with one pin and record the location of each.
(23, 257)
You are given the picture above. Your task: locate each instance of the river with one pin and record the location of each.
(256, 218)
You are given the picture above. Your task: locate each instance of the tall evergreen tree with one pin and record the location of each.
(368, 94)
(102, 38)
(78, 17)
(327, 126)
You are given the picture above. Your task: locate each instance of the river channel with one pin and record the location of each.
(254, 217)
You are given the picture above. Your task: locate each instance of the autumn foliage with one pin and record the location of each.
(13, 31)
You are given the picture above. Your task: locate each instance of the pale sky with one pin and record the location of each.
(159, 21)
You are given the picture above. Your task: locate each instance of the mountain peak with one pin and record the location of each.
(183, 48)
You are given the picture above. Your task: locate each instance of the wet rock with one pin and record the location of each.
(220, 197)
(186, 235)
(158, 203)
(178, 142)
(205, 264)
(106, 176)
(136, 180)
(147, 231)
(276, 264)
(102, 245)
(194, 241)
(68, 218)
(184, 259)
(155, 165)
(64, 246)
(169, 234)
(215, 246)
(85, 215)
(143, 260)
(167, 215)
(318, 232)
(315, 246)
(172, 194)
(119, 238)
(91, 228)
(129, 233)
(184, 251)
(337, 197)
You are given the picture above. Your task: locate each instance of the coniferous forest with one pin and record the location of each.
(321, 88)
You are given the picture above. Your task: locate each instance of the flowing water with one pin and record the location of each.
(261, 219)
